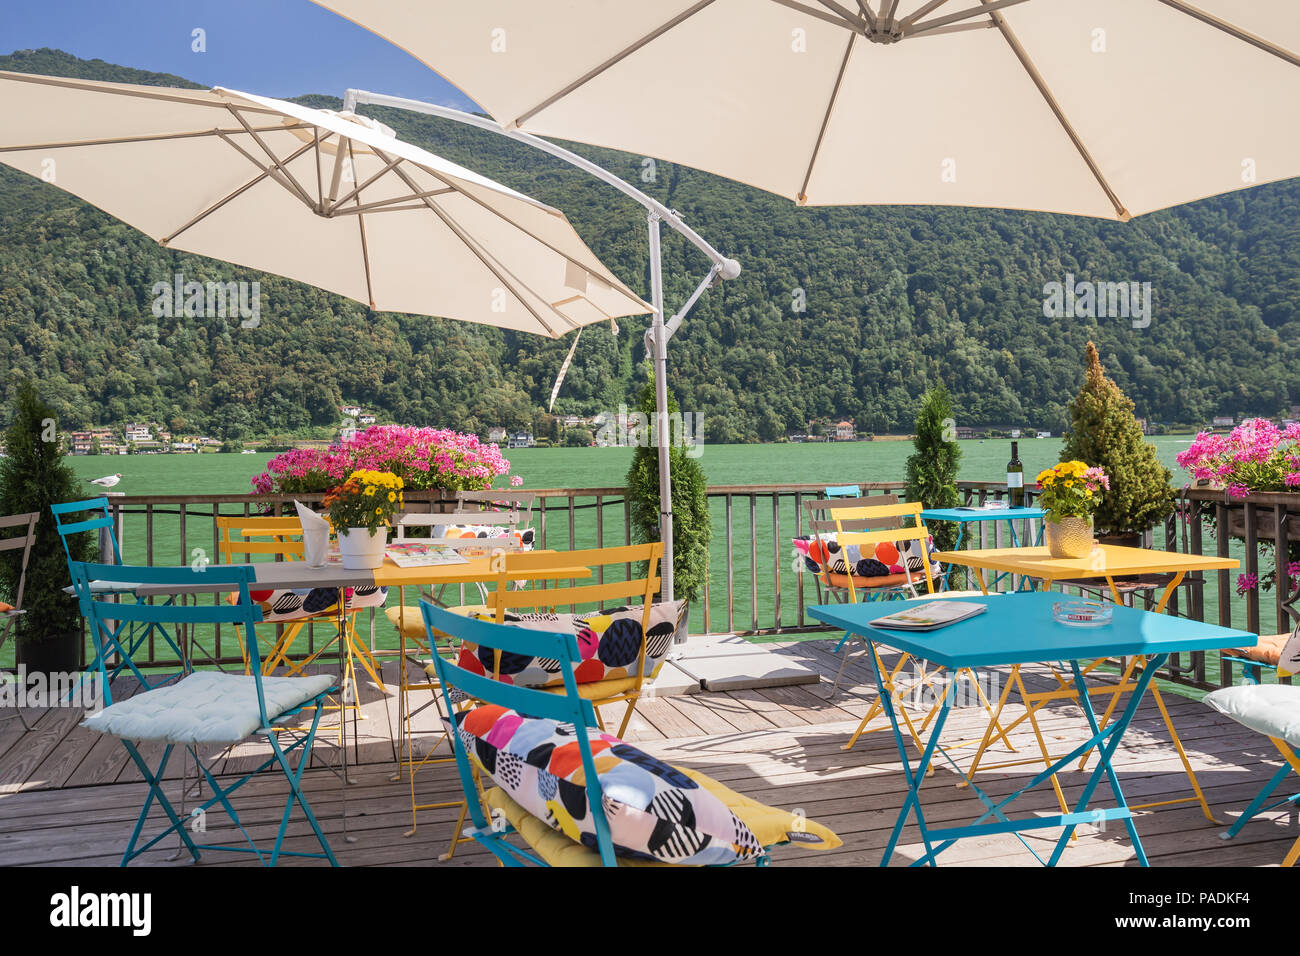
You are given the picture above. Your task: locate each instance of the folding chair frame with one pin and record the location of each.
(244, 612)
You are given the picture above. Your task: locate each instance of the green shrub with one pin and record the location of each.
(692, 529)
(932, 468)
(33, 476)
(1104, 432)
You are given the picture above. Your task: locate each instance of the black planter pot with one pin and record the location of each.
(54, 655)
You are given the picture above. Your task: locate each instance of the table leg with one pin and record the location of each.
(912, 803)
(1104, 765)
(1169, 591)
(947, 575)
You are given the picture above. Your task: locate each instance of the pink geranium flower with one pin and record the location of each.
(423, 458)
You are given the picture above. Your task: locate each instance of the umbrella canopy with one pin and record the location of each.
(1108, 108)
(327, 198)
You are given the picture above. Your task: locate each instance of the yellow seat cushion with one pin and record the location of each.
(410, 622)
(599, 689)
(772, 826)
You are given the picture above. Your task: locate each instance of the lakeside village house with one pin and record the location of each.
(138, 438)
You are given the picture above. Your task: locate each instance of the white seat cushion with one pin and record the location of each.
(1269, 709)
(205, 708)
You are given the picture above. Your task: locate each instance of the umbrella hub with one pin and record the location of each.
(882, 34)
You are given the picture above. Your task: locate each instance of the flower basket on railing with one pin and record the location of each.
(424, 458)
(1256, 460)
(1265, 521)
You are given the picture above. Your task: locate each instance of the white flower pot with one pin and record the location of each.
(360, 550)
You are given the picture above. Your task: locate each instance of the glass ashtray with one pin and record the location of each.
(1083, 613)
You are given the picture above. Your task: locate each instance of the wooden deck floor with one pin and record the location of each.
(69, 796)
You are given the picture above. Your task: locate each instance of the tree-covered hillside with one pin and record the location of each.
(896, 299)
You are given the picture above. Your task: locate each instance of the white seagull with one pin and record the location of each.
(108, 481)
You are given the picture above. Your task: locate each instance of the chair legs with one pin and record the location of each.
(1291, 764)
(196, 820)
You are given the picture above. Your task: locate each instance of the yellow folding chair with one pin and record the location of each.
(899, 535)
(547, 595)
(238, 539)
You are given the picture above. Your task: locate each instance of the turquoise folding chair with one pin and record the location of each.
(204, 708)
(770, 826)
(568, 707)
(126, 645)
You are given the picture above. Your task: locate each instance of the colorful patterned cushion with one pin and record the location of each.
(303, 603)
(655, 811)
(524, 536)
(610, 644)
(823, 553)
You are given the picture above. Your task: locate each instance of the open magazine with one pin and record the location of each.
(928, 617)
(422, 554)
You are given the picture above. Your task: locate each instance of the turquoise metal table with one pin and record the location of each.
(965, 516)
(1020, 629)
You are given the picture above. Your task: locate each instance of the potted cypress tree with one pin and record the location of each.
(932, 467)
(1105, 434)
(34, 476)
(692, 529)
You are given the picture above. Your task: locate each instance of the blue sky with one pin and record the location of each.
(273, 47)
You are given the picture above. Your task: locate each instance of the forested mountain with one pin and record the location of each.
(896, 298)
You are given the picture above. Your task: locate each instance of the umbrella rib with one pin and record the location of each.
(868, 16)
(320, 194)
(858, 23)
(361, 225)
(986, 7)
(822, 15)
(272, 171)
(906, 23)
(266, 173)
(473, 247)
(389, 165)
(615, 59)
(390, 205)
(275, 161)
(1120, 211)
(826, 118)
(124, 140)
(1234, 31)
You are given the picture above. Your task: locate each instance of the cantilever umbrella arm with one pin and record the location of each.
(660, 332)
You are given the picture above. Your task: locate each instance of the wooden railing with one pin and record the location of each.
(753, 587)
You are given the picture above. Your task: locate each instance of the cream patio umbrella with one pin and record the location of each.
(330, 199)
(1108, 108)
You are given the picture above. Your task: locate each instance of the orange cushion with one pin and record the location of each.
(1267, 651)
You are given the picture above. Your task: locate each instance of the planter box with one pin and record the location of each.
(1265, 521)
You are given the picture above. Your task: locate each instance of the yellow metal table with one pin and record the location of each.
(1106, 562)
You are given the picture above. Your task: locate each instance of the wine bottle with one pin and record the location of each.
(1015, 478)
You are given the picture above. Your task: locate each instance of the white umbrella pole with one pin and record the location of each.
(662, 435)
